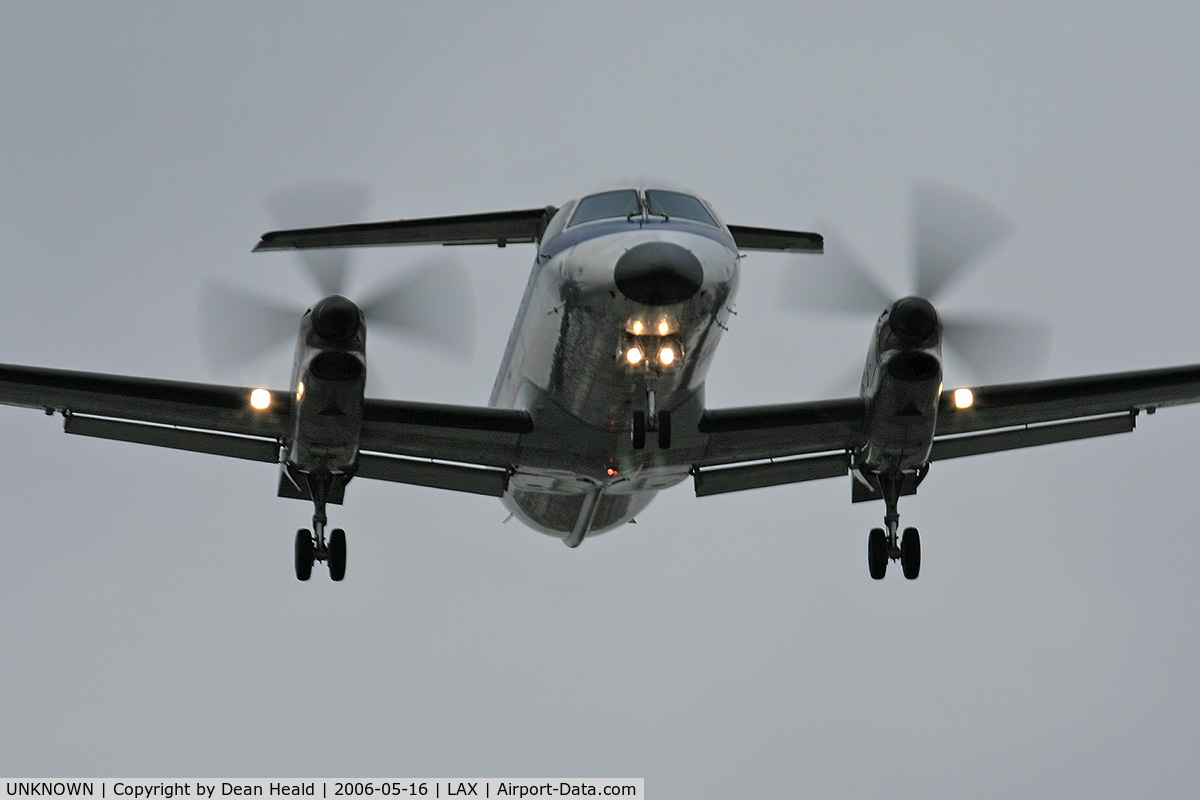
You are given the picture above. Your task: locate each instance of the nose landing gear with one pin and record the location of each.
(652, 420)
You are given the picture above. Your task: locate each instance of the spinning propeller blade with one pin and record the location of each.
(998, 348)
(435, 304)
(951, 230)
(316, 203)
(237, 326)
(843, 284)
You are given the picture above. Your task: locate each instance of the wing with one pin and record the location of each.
(766, 433)
(770, 445)
(1041, 412)
(498, 228)
(750, 238)
(461, 448)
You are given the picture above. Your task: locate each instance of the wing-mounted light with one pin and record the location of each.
(260, 399)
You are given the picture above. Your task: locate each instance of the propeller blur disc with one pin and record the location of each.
(434, 304)
(951, 231)
(236, 326)
(315, 203)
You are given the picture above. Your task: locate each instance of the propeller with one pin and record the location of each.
(952, 230)
(433, 302)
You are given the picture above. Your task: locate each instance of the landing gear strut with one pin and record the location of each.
(885, 545)
(311, 545)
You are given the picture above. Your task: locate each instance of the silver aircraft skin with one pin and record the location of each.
(599, 401)
(567, 363)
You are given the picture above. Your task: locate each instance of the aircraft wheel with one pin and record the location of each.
(910, 553)
(664, 430)
(639, 430)
(305, 553)
(337, 554)
(877, 553)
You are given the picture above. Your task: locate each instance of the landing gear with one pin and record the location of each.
(877, 553)
(311, 545)
(652, 420)
(337, 554)
(910, 553)
(887, 545)
(305, 554)
(638, 431)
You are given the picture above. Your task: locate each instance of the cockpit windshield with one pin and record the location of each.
(607, 205)
(654, 203)
(674, 204)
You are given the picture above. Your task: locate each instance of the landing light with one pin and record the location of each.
(260, 399)
(633, 355)
(664, 328)
(666, 356)
(963, 398)
(638, 327)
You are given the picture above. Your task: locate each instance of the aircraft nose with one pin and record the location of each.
(658, 273)
(914, 319)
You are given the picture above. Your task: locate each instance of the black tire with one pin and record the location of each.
(305, 551)
(638, 433)
(337, 554)
(664, 430)
(877, 553)
(910, 553)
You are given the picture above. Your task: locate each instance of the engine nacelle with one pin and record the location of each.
(328, 383)
(901, 387)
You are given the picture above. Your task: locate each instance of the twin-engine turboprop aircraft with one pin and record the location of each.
(599, 402)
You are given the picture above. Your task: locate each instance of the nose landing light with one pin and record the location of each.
(652, 342)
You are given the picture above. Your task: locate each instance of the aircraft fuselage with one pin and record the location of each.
(596, 291)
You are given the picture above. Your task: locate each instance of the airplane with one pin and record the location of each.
(599, 400)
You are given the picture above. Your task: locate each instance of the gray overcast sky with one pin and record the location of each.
(723, 647)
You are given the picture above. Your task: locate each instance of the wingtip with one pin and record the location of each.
(267, 243)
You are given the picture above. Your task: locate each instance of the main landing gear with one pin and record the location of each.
(887, 545)
(311, 545)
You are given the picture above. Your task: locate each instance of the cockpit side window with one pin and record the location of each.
(675, 204)
(606, 205)
(558, 221)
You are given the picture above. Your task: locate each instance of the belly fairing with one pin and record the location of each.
(557, 514)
